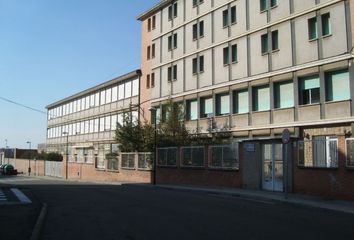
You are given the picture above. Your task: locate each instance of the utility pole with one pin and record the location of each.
(29, 159)
(153, 113)
(67, 154)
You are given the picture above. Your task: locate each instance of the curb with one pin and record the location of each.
(306, 203)
(39, 224)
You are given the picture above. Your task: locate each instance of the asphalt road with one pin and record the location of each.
(100, 212)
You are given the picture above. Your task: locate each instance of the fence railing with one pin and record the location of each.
(213, 157)
(349, 146)
(128, 161)
(318, 153)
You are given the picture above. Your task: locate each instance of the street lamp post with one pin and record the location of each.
(6, 147)
(67, 154)
(153, 113)
(29, 159)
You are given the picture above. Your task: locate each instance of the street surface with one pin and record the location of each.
(96, 211)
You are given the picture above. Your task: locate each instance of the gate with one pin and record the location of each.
(53, 169)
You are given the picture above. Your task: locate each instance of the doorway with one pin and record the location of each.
(272, 167)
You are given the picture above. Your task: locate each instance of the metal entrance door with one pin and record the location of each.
(272, 167)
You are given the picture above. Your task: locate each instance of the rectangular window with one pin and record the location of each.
(233, 15)
(148, 52)
(263, 5)
(172, 73)
(264, 43)
(102, 127)
(326, 24)
(128, 89)
(201, 29)
(114, 122)
(115, 94)
(225, 18)
(149, 25)
(261, 98)
(198, 65)
(320, 152)
(229, 16)
(312, 28)
(172, 11)
(152, 80)
(201, 64)
(121, 91)
(103, 97)
(198, 30)
(222, 104)
(197, 2)
(284, 94)
(192, 110)
(192, 156)
(96, 125)
(275, 42)
(107, 123)
(309, 90)
(337, 85)
(97, 99)
(153, 50)
(224, 157)
(234, 53)
(206, 107)
(91, 126)
(195, 65)
(92, 100)
(240, 100)
(195, 31)
(172, 41)
(273, 3)
(135, 87)
(153, 22)
(226, 55)
(109, 95)
(148, 81)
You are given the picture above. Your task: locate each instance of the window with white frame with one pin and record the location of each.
(192, 109)
(319, 152)
(114, 93)
(128, 89)
(108, 95)
(121, 91)
(135, 84)
(224, 156)
(192, 156)
(167, 156)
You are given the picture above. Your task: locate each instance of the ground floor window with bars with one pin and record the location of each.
(128, 160)
(321, 152)
(192, 156)
(167, 156)
(224, 157)
(350, 152)
(145, 161)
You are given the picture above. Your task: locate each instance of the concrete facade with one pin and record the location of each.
(82, 128)
(265, 70)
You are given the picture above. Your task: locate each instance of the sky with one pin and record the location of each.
(51, 49)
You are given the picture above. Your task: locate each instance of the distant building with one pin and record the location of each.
(250, 69)
(83, 125)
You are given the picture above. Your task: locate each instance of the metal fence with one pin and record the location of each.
(167, 156)
(192, 156)
(145, 161)
(128, 160)
(321, 152)
(224, 157)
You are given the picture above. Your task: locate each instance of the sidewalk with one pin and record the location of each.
(305, 200)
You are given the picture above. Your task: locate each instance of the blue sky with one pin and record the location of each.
(50, 49)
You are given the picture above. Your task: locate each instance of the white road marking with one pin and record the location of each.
(2, 196)
(22, 197)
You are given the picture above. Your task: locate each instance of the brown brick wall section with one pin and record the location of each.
(80, 171)
(145, 94)
(331, 183)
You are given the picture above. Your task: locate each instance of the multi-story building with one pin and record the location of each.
(83, 126)
(252, 68)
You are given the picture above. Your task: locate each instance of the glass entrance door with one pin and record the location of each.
(272, 167)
